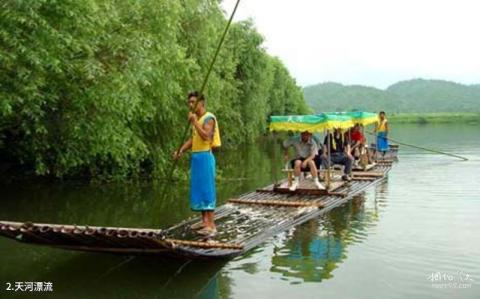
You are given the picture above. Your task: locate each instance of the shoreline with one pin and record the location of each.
(435, 118)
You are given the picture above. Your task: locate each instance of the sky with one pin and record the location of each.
(369, 42)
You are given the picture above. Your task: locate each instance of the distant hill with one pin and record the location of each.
(416, 95)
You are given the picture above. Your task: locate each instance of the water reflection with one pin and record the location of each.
(309, 252)
(107, 276)
(317, 247)
(438, 196)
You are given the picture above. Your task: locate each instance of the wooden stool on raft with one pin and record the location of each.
(361, 156)
(327, 176)
(289, 172)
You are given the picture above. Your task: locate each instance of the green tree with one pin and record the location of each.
(96, 88)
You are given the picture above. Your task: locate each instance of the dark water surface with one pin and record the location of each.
(415, 236)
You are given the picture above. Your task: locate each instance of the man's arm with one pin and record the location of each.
(206, 130)
(186, 146)
(356, 144)
(347, 149)
(310, 158)
(313, 153)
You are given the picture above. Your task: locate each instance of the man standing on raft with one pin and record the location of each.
(205, 136)
(381, 129)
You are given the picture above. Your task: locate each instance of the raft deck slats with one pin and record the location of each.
(367, 173)
(269, 202)
(242, 224)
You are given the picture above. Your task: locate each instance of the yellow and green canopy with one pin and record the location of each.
(322, 121)
(361, 117)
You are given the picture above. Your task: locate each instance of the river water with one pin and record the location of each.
(417, 235)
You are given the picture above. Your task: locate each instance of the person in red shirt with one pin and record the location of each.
(358, 144)
(356, 136)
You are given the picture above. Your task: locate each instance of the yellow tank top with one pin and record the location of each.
(201, 145)
(382, 127)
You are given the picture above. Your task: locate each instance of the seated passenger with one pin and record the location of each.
(358, 144)
(339, 153)
(356, 140)
(305, 151)
(318, 141)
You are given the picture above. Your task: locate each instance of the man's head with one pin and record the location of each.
(193, 97)
(306, 136)
(356, 128)
(382, 115)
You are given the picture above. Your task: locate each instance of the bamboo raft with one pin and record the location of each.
(391, 154)
(242, 223)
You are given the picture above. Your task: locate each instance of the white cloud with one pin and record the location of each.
(372, 42)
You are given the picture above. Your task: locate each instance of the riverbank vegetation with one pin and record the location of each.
(435, 118)
(97, 88)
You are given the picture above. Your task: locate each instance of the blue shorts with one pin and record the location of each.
(203, 195)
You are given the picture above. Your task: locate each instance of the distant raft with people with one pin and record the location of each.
(242, 223)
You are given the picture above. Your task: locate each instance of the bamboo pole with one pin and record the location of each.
(369, 174)
(422, 148)
(328, 178)
(202, 89)
(274, 165)
(269, 202)
(175, 242)
(356, 178)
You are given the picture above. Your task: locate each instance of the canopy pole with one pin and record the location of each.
(328, 178)
(274, 165)
(349, 141)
